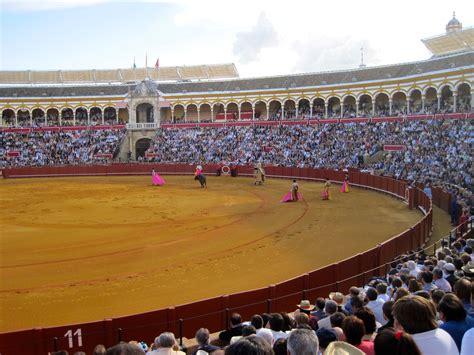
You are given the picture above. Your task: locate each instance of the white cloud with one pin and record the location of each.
(248, 44)
(44, 5)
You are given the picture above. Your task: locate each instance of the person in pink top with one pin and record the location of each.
(354, 330)
(156, 179)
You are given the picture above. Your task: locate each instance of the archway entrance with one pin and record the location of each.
(141, 147)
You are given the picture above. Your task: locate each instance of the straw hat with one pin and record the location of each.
(305, 305)
(338, 297)
(342, 348)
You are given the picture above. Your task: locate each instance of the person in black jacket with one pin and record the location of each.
(234, 330)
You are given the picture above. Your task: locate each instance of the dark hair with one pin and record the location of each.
(356, 302)
(266, 318)
(397, 282)
(452, 308)
(462, 289)
(287, 322)
(415, 314)
(279, 346)
(251, 345)
(413, 285)
(368, 317)
(436, 295)
(371, 294)
(257, 321)
(381, 288)
(276, 322)
(389, 342)
(354, 329)
(336, 319)
(124, 349)
(235, 319)
(320, 303)
(427, 277)
(248, 330)
(387, 309)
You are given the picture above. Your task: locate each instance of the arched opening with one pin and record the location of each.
(303, 109)
(81, 116)
(431, 100)
(96, 116)
(8, 117)
(39, 119)
(191, 113)
(218, 110)
(464, 98)
(334, 107)
(246, 111)
(123, 115)
(261, 111)
(67, 117)
(232, 111)
(382, 105)
(141, 147)
(399, 103)
(24, 119)
(205, 113)
(318, 108)
(274, 110)
(52, 117)
(446, 101)
(110, 115)
(416, 103)
(349, 106)
(144, 113)
(365, 105)
(289, 109)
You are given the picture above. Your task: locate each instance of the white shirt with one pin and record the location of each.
(376, 307)
(383, 297)
(443, 284)
(325, 322)
(467, 347)
(436, 342)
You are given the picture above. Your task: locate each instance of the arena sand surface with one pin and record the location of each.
(88, 248)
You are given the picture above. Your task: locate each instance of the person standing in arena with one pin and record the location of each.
(294, 191)
(326, 194)
(156, 179)
(345, 184)
(259, 174)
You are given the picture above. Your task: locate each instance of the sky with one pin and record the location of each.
(261, 37)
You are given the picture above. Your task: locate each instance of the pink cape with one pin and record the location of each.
(287, 197)
(325, 195)
(345, 187)
(157, 180)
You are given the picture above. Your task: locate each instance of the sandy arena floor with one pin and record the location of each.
(88, 248)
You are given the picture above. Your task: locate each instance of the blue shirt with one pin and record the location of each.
(457, 329)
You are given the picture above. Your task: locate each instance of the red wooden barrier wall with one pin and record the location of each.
(212, 313)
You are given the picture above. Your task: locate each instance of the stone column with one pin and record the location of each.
(438, 96)
(341, 107)
(423, 103)
(390, 107)
(310, 110)
(408, 105)
(326, 109)
(357, 108)
(455, 96)
(253, 112)
(199, 115)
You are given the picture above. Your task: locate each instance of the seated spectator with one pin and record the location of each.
(325, 337)
(454, 317)
(342, 348)
(276, 326)
(387, 314)
(370, 324)
(165, 344)
(336, 319)
(417, 316)
(382, 292)
(462, 289)
(234, 330)
(354, 330)
(246, 331)
(319, 313)
(261, 331)
(353, 292)
(391, 342)
(202, 338)
(330, 308)
(340, 300)
(99, 350)
(251, 345)
(302, 342)
(375, 304)
(280, 348)
(440, 281)
(130, 349)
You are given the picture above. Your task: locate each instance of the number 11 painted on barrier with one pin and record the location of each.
(69, 335)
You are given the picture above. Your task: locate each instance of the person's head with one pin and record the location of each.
(437, 274)
(371, 294)
(99, 350)
(320, 303)
(414, 314)
(248, 330)
(301, 318)
(235, 319)
(266, 318)
(325, 337)
(124, 349)
(336, 319)
(202, 336)
(287, 322)
(396, 283)
(165, 340)
(462, 289)
(354, 291)
(387, 310)
(427, 277)
(302, 342)
(401, 292)
(331, 307)
(381, 288)
(257, 321)
(437, 295)
(451, 308)
(356, 303)
(413, 286)
(354, 329)
(368, 317)
(294, 180)
(391, 342)
(279, 347)
(251, 345)
(276, 322)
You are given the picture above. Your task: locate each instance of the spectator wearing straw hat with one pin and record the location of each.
(340, 300)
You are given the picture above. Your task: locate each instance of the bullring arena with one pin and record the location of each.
(93, 253)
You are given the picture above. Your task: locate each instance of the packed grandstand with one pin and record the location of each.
(411, 121)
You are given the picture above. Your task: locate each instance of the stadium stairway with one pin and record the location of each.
(377, 156)
(124, 148)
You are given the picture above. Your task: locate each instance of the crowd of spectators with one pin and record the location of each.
(58, 148)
